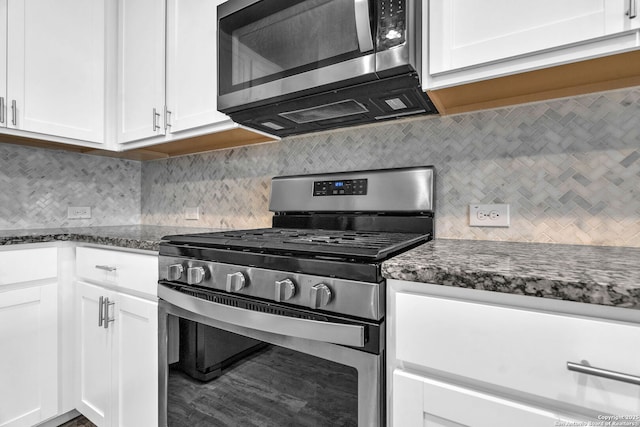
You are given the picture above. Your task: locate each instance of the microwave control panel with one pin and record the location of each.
(343, 187)
(392, 23)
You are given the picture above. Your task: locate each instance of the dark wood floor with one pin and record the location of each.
(275, 387)
(80, 421)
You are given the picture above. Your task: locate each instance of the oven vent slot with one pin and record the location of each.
(240, 302)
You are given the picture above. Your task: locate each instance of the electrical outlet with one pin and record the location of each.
(78, 212)
(192, 213)
(489, 215)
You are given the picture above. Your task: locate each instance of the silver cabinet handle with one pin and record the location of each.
(363, 29)
(584, 368)
(156, 116)
(14, 112)
(2, 110)
(167, 118)
(100, 311)
(632, 12)
(107, 304)
(106, 267)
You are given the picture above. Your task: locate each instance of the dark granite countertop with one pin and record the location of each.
(126, 236)
(592, 274)
(604, 275)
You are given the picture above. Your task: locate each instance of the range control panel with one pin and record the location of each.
(343, 187)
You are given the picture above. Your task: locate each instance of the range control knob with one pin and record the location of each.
(285, 290)
(195, 275)
(235, 282)
(175, 272)
(319, 295)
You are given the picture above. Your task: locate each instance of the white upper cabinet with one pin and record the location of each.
(141, 77)
(180, 59)
(3, 63)
(55, 67)
(191, 64)
(471, 40)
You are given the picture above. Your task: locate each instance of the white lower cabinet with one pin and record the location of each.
(29, 335)
(420, 402)
(117, 348)
(466, 357)
(29, 354)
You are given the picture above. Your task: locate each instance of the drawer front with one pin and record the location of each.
(133, 271)
(23, 265)
(420, 402)
(521, 350)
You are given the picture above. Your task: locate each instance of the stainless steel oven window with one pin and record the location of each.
(368, 366)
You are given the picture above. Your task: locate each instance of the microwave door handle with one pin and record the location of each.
(363, 29)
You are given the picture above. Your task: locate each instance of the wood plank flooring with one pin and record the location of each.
(275, 387)
(80, 421)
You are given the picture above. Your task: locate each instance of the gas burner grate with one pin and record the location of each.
(356, 244)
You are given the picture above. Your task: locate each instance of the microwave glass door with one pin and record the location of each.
(271, 40)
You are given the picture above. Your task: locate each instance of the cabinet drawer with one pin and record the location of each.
(521, 350)
(23, 265)
(137, 272)
(420, 401)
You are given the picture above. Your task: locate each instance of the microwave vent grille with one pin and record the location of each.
(333, 110)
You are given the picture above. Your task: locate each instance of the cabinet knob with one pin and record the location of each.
(285, 290)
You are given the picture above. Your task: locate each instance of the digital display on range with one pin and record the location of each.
(350, 187)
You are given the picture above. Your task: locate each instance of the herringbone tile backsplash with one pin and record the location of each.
(37, 186)
(570, 169)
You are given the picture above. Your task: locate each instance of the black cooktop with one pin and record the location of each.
(367, 245)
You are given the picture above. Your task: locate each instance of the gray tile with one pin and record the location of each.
(534, 157)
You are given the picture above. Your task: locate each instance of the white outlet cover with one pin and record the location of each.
(192, 213)
(496, 215)
(78, 212)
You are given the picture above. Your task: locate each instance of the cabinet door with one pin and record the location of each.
(191, 64)
(421, 402)
(141, 64)
(93, 351)
(520, 349)
(466, 33)
(56, 67)
(3, 63)
(29, 356)
(135, 357)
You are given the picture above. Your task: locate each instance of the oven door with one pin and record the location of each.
(297, 376)
(267, 49)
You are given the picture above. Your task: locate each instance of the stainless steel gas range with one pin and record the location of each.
(285, 325)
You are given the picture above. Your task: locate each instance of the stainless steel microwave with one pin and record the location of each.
(295, 66)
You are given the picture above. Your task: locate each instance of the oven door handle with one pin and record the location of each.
(336, 333)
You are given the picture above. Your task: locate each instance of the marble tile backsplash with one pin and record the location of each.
(569, 168)
(37, 186)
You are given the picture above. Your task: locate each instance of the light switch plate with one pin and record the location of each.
(496, 215)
